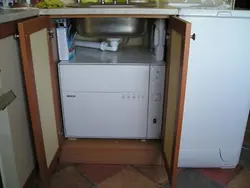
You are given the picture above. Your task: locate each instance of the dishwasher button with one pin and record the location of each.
(156, 97)
(154, 120)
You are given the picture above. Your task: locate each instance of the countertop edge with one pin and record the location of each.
(110, 11)
(17, 15)
(13, 14)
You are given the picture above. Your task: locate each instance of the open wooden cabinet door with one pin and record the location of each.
(40, 74)
(175, 85)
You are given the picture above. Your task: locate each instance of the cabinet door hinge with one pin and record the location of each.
(51, 33)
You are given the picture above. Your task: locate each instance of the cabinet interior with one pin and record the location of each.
(141, 40)
(127, 148)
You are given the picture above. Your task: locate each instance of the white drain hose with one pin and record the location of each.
(87, 44)
(110, 45)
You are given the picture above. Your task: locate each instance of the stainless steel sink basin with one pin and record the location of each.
(111, 27)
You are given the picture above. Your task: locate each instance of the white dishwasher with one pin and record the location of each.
(104, 100)
(110, 100)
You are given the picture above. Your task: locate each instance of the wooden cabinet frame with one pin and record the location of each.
(102, 151)
(26, 28)
(176, 74)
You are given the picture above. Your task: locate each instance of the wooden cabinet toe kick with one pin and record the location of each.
(112, 152)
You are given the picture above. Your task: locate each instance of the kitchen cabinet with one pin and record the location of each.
(210, 69)
(44, 105)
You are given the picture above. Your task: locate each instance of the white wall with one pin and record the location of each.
(8, 167)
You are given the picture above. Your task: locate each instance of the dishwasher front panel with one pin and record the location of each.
(105, 114)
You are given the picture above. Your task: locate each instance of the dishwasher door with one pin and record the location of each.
(112, 106)
(105, 115)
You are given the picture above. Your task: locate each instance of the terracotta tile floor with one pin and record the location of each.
(98, 173)
(122, 176)
(220, 176)
(242, 180)
(70, 177)
(128, 177)
(155, 173)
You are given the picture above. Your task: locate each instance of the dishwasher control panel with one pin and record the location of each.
(155, 102)
(132, 96)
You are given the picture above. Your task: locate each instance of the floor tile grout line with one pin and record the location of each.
(223, 186)
(94, 183)
(142, 173)
(85, 176)
(241, 171)
(150, 178)
(236, 174)
(114, 174)
(193, 170)
(62, 168)
(165, 182)
(133, 167)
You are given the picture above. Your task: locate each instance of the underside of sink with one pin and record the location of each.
(111, 27)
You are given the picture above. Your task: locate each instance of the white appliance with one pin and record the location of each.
(157, 39)
(217, 98)
(112, 94)
(65, 39)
